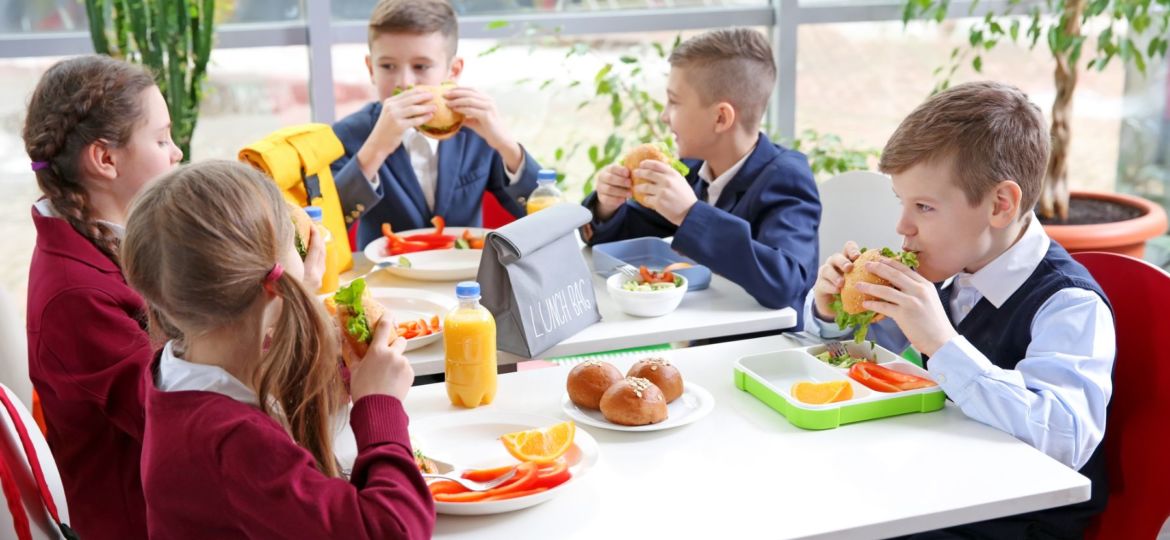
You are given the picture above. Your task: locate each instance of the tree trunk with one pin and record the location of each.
(1054, 196)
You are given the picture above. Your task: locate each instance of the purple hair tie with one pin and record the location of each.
(38, 165)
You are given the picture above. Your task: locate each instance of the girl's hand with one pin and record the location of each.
(384, 369)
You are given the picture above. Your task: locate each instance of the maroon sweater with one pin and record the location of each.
(213, 467)
(88, 353)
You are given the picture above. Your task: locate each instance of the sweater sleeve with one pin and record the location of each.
(93, 350)
(275, 488)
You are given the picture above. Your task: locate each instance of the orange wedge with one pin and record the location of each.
(540, 445)
(822, 393)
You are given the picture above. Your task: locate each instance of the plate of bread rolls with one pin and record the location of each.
(651, 395)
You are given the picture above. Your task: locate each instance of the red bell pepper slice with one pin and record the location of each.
(487, 475)
(884, 379)
(439, 224)
(515, 494)
(553, 475)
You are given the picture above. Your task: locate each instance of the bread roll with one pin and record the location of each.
(660, 372)
(588, 381)
(633, 401)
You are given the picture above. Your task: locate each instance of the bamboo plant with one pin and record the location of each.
(170, 37)
(1134, 30)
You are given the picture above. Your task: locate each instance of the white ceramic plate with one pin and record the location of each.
(436, 265)
(412, 304)
(692, 405)
(471, 441)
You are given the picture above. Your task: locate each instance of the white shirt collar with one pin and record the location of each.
(716, 186)
(176, 374)
(1004, 275)
(45, 208)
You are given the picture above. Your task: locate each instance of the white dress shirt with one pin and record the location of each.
(176, 375)
(1055, 398)
(715, 186)
(424, 159)
(45, 208)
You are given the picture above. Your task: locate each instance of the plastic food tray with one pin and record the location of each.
(650, 252)
(770, 376)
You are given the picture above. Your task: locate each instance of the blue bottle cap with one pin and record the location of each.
(314, 212)
(546, 175)
(467, 289)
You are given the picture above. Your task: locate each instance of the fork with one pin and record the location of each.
(836, 348)
(472, 484)
(628, 271)
(378, 267)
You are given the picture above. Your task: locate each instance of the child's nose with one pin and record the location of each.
(176, 154)
(905, 227)
(664, 118)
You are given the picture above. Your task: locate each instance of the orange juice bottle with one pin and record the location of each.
(329, 279)
(469, 336)
(546, 193)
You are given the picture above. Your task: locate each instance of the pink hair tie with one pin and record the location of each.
(275, 273)
(38, 165)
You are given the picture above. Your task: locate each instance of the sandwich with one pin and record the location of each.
(302, 228)
(654, 152)
(357, 314)
(848, 304)
(445, 123)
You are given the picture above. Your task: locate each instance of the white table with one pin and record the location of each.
(745, 472)
(723, 309)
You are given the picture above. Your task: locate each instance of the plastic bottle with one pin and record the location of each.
(546, 193)
(329, 279)
(469, 337)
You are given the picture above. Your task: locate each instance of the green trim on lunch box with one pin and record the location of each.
(832, 417)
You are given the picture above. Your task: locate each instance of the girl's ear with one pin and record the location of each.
(724, 117)
(97, 160)
(1005, 207)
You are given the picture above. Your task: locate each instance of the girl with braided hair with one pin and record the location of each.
(97, 132)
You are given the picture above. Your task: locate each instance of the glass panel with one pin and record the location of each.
(39, 16)
(859, 80)
(360, 9)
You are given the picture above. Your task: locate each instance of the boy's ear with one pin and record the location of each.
(97, 161)
(1006, 197)
(724, 117)
(456, 69)
(370, 68)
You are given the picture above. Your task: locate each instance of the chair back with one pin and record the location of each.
(858, 206)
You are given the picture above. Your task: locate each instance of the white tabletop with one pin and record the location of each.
(745, 472)
(723, 309)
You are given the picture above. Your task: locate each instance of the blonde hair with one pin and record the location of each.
(416, 17)
(987, 131)
(199, 244)
(77, 102)
(733, 65)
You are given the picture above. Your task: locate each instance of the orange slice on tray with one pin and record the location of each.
(822, 393)
(540, 445)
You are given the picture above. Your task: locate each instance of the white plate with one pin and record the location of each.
(435, 265)
(412, 304)
(694, 403)
(471, 440)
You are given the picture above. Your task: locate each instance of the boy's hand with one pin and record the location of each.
(314, 260)
(384, 369)
(613, 188)
(479, 111)
(912, 302)
(399, 113)
(665, 190)
(831, 278)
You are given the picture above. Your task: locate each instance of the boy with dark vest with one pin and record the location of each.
(1016, 332)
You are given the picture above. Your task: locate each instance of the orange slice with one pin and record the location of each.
(676, 266)
(822, 393)
(540, 445)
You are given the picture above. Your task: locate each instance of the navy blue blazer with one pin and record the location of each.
(761, 233)
(468, 167)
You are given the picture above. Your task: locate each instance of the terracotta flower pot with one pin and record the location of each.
(1126, 237)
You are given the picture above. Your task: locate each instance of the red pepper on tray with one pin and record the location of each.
(883, 379)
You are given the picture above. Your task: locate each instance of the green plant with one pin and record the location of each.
(635, 115)
(170, 37)
(1064, 25)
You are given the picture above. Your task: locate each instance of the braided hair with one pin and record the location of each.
(77, 102)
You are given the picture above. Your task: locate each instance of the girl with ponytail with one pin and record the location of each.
(238, 440)
(97, 130)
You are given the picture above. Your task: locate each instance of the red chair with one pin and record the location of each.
(494, 215)
(1137, 441)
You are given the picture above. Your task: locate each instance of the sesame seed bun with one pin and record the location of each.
(635, 157)
(445, 123)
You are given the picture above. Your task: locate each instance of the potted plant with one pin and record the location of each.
(172, 38)
(1134, 30)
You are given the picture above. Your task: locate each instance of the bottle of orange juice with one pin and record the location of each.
(469, 336)
(546, 193)
(329, 279)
